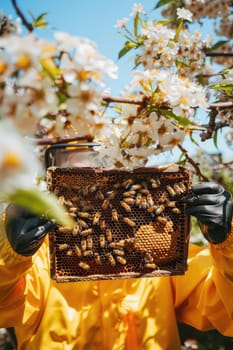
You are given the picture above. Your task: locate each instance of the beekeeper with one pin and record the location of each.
(128, 314)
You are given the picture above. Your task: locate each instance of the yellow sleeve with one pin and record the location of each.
(21, 294)
(203, 297)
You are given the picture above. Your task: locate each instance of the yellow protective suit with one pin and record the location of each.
(114, 315)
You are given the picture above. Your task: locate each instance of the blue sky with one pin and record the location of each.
(95, 20)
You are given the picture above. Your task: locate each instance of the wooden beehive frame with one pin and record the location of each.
(129, 223)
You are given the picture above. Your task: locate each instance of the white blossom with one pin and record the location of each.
(121, 23)
(19, 165)
(183, 13)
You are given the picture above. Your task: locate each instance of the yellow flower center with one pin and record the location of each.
(3, 67)
(23, 61)
(11, 160)
(184, 100)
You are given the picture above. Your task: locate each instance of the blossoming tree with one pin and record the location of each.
(56, 91)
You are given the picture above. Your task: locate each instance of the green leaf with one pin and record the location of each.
(216, 45)
(181, 64)
(215, 139)
(163, 21)
(193, 140)
(40, 21)
(50, 67)
(223, 87)
(178, 30)
(163, 2)
(41, 203)
(61, 97)
(129, 45)
(180, 120)
(136, 19)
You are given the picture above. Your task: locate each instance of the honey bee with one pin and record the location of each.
(72, 214)
(62, 229)
(152, 209)
(63, 246)
(83, 244)
(111, 259)
(108, 233)
(162, 219)
(75, 230)
(118, 252)
(150, 200)
(123, 243)
(86, 232)
(76, 187)
(144, 191)
(68, 203)
(129, 222)
(114, 215)
(99, 195)
(155, 182)
(135, 187)
(85, 191)
(171, 191)
(127, 183)
(88, 253)
(84, 215)
(75, 199)
(61, 199)
(111, 194)
(84, 265)
(125, 206)
(113, 245)
(151, 266)
(102, 241)
(77, 250)
(160, 209)
(182, 187)
(163, 198)
(177, 189)
(171, 204)
(96, 218)
(69, 252)
(89, 243)
(176, 210)
(82, 223)
(144, 203)
(129, 200)
(138, 199)
(121, 260)
(102, 224)
(129, 194)
(105, 204)
(94, 188)
(56, 191)
(129, 243)
(117, 185)
(148, 258)
(97, 259)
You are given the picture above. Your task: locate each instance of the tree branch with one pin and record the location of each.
(115, 99)
(211, 128)
(191, 161)
(219, 54)
(49, 141)
(21, 15)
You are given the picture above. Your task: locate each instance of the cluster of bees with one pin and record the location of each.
(97, 211)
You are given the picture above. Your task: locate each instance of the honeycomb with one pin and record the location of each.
(128, 224)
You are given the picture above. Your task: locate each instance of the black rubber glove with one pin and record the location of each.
(25, 230)
(211, 204)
